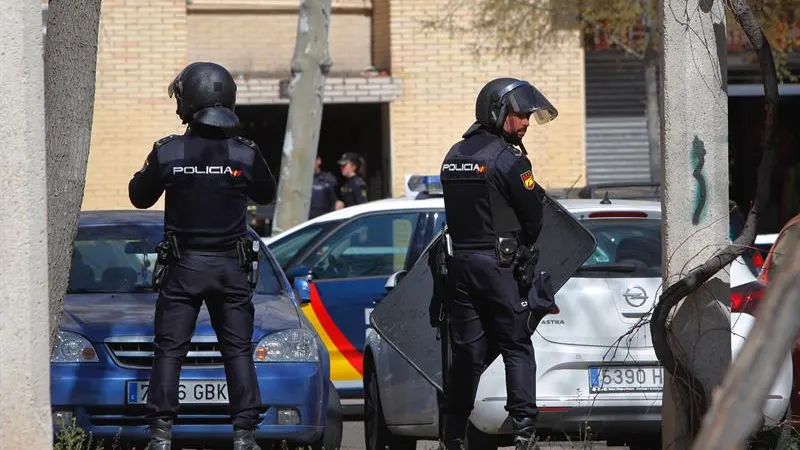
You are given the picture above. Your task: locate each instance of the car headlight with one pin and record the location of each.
(73, 348)
(287, 346)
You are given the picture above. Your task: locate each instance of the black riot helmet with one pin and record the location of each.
(502, 95)
(206, 94)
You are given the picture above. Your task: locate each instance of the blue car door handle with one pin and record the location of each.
(376, 300)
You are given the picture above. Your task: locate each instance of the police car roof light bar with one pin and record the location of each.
(430, 184)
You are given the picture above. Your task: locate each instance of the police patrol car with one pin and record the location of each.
(347, 257)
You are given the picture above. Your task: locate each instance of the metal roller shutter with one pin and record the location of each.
(616, 128)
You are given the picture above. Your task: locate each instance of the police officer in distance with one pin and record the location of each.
(354, 189)
(494, 211)
(323, 192)
(207, 174)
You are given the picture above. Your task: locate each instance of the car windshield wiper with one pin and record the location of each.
(80, 291)
(141, 288)
(130, 290)
(625, 268)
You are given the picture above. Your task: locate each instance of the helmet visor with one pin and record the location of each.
(174, 87)
(171, 87)
(526, 99)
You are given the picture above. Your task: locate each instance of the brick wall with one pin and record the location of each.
(381, 35)
(266, 91)
(289, 4)
(441, 80)
(142, 46)
(263, 40)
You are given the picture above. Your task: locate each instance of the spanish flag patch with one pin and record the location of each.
(527, 180)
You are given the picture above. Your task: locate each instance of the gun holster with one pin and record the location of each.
(525, 260)
(247, 252)
(167, 252)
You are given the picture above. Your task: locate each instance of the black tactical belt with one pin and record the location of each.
(232, 253)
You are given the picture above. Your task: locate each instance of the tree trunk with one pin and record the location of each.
(310, 65)
(653, 115)
(673, 294)
(737, 408)
(70, 65)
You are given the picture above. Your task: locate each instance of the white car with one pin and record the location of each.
(587, 373)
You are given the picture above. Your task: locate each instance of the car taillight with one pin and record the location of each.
(746, 298)
(758, 260)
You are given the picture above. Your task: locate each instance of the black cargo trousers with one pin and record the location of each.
(218, 279)
(483, 321)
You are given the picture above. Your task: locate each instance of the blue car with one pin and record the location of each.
(101, 362)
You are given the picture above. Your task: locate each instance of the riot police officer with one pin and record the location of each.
(494, 211)
(207, 174)
(323, 192)
(354, 189)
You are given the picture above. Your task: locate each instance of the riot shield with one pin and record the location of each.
(406, 318)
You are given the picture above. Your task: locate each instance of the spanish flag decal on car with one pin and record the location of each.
(346, 360)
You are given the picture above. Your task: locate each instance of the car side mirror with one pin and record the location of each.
(303, 288)
(394, 278)
(299, 271)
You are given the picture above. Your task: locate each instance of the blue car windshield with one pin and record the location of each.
(121, 258)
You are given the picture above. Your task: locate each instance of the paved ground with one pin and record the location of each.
(354, 440)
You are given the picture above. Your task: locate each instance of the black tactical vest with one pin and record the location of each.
(475, 195)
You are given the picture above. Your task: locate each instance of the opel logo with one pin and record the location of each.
(635, 296)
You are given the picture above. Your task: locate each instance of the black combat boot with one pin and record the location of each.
(244, 439)
(160, 435)
(454, 432)
(524, 435)
(453, 444)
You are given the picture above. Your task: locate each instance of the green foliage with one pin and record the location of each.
(73, 437)
(526, 28)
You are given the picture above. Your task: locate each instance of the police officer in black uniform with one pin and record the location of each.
(323, 192)
(494, 212)
(207, 174)
(354, 189)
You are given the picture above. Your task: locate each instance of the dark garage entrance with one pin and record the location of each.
(746, 133)
(346, 127)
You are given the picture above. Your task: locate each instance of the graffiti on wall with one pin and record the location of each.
(698, 160)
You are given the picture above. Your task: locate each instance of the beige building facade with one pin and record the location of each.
(398, 95)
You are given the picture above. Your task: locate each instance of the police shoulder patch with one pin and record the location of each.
(164, 140)
(245, 141)
(527, 180)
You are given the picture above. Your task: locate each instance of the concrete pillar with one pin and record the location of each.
(25, 421)
(695, 194)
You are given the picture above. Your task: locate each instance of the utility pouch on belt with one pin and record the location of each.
(506, 249)
(541, 300)
(167, 252)
(247, 251)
